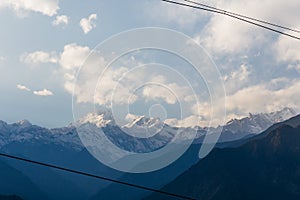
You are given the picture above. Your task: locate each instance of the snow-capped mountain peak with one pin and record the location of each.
(273, 117)
(142, 126)
(282, 115)
(256, 123)
(143, 121)
(24, 123)
(100, 119)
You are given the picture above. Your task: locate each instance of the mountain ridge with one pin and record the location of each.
(62, 146)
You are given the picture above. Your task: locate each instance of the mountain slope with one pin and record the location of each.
(15, 182)
(266, 167)
(154, 179)
(10, 197)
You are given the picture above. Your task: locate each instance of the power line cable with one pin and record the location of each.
(244, 16)
(233, 16)
(96, 176)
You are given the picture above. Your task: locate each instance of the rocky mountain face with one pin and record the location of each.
(254, 124)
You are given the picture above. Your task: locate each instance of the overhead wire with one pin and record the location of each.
(95, 176)
(244, 16)
(233, 16)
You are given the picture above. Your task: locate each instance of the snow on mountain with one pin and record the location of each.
(143, 121)
(100, 119)
(24, 131)
(142, 134)
(143, 126)
(257, 123)
(95, 128)
(282, 115)
(253, 124)
(24, 123)
(3, 127)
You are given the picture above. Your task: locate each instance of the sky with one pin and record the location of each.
(43, 44)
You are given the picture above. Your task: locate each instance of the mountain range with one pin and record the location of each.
(63, 147)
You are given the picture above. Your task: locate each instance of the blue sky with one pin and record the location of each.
(39, 57)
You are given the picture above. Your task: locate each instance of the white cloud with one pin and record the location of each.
(23, 87)
(225, 34)
(228, 39)
(169, 92)
(156, 92)
(160, 87)
(111, 88)
(295, 66)
(46, 7)
(70, 59)
(2, 58)
(87, 24)
(117, 80)
(287, 49)
(237, 79)
(241, 74)
(130, 117)
(169, 13)
(267, 97)
(190, 121)
(43, 92)
(270, 96)
(73, 56)
(221, 34)
(278, 83)
(39, 57)
(118, 84)
(60, 19)
(261, 98)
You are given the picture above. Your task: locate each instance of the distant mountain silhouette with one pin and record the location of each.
(266, 167)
